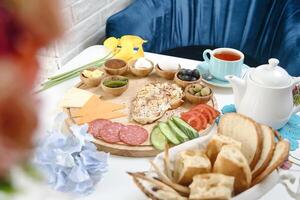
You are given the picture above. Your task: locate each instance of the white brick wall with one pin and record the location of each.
(85, 26)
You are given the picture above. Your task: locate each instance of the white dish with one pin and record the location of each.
(203, 69)
(255, 192)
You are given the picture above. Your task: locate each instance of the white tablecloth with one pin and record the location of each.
(116, 184)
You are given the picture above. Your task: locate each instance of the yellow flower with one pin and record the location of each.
(135, 40)
(126, 52)
(127, 47)
(111, 43)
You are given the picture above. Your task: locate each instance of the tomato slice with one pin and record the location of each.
(195, 122)
(187, 115)
(204, 120)
(206, 112)
(216, 112)
(213, 111)
(208, 115)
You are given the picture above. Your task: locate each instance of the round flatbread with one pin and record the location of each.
(96, 125)
(110, 132)
(133, 135)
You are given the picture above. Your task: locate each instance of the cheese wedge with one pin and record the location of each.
(76, 98)
(95, 106)
(92, 116)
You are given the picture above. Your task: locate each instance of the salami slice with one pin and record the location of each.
(96, 125)
(133, 135)
(110, 132)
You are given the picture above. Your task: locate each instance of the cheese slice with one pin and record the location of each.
(99, 115)
(76, 97)
(95, 106)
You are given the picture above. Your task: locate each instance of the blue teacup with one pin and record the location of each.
(223, 62)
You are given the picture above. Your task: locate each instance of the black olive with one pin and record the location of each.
(189, 72)
(182, 71)
(196, 73)
(186, 78)
(193, 78)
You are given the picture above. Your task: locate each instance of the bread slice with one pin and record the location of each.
(231, 162)
(280, 154)
(211, 186)
(267, 150)
(216, 143)
(246, 131)
(190, 163)
(154, 188)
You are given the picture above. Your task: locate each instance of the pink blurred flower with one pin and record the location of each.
(17, 117)
(25, 27)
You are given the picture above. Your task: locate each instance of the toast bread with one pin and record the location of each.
(190, 163)
(280, 154)
(231, 162)
(246, 131)
(267, 150)
(216, 143)
(211, 186)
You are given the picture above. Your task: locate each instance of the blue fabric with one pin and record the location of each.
(290, 131)
(259, 28)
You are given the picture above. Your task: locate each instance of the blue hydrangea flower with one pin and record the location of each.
(71, 162)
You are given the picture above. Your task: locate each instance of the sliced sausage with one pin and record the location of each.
(133, 135)
(110, 132)
(96, 125)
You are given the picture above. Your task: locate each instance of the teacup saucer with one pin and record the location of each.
(207, 78)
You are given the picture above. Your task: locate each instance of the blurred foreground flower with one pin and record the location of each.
(25, 27)
(17, 118)
(71, 163)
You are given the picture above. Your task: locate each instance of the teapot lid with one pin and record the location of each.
(271, 75)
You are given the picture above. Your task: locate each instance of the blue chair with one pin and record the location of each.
(260, 28)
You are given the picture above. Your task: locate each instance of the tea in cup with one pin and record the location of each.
(223, 62)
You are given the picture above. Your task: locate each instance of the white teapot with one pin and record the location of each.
(265, 94)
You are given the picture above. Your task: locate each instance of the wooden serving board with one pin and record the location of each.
(135, 84)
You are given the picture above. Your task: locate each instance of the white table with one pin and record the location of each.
(116, 184)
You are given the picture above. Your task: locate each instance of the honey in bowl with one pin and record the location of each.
(227, 56)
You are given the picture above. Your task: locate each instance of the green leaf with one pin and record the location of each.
(297, 99)
(31, 171)
(7, 187)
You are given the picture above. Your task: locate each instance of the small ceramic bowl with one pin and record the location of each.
(183, 83)
(114, 91)
(115, 66)
(197, 99)
(166, 74)
(91, 82)
(140, 72)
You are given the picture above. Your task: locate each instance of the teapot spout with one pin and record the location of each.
(238, 87)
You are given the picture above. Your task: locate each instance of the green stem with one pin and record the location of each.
(82, 67)
(63, 77)
(55, 80)
(54, 83)
(74, 73)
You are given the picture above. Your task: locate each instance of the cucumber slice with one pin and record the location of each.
(180, 134)
(165, 129)
(158, 140)
(185, 127)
